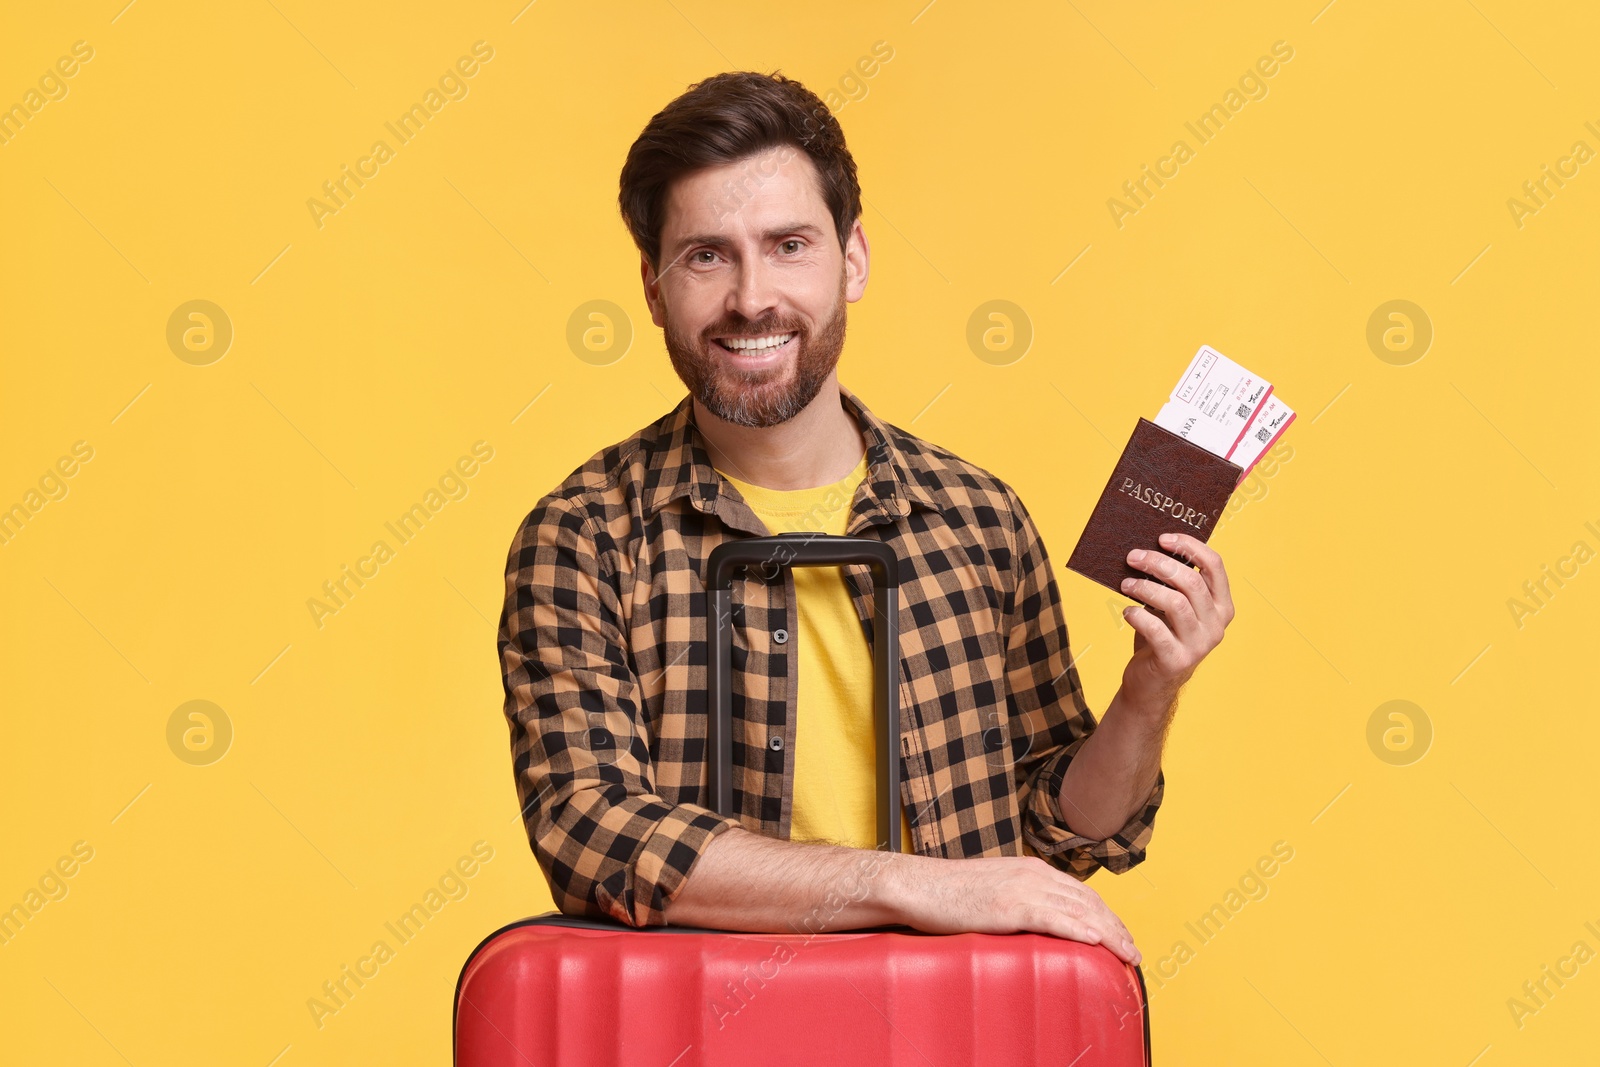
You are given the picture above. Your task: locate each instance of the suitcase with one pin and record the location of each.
(556, 989)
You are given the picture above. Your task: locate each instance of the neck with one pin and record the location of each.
(817, 447)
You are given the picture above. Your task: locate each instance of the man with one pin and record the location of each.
(744, 204)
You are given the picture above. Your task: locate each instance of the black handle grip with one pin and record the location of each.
(804, 550)
(801, 549)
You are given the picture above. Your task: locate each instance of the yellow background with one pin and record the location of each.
(369, 754)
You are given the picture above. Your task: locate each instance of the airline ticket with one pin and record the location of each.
(1225, 409)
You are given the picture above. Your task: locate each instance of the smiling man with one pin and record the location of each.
(744, 204)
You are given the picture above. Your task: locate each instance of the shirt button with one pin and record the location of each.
(775, 742)
(780, 636)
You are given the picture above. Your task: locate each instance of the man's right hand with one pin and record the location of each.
(744, 881)
(1003, 895)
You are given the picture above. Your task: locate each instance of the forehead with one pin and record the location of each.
(773, 187)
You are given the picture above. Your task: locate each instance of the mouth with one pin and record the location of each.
(757, 350)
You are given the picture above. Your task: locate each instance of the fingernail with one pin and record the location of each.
(1136, 555)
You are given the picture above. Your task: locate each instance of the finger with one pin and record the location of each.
(1065, 884)
(1054, 915)
(1153, 594)
(1108, 918)
(1169, 606)
(1106, 927)
(1194, 596)
(1196, 551)
(1121, 930)
(1168, 649)
(1120, 940)
(1057, 925)
(1096, 927)
(1174, 572)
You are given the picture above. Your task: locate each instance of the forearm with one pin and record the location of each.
(745, 881)
(1114, 771)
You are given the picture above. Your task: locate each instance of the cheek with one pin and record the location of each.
(820, 295)
(694, 306)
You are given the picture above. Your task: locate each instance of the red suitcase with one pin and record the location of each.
(561, 990)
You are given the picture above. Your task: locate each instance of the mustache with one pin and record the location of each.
(753, 329)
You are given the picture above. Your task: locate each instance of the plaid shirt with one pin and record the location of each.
(602, 646)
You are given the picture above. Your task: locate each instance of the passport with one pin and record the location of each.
(1177, 473)
(1161, 484)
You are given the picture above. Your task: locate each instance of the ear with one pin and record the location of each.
(857, 261)
(652, 291)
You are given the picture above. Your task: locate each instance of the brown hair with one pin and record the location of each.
(723, 119)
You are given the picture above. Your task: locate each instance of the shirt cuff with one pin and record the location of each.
(637, 893)
(1049, 835)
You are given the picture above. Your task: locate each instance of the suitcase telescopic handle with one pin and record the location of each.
(802, 549)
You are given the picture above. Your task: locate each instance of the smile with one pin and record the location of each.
(757, 348)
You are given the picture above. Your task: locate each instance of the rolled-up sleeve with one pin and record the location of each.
(608, 845)
(1050, 719)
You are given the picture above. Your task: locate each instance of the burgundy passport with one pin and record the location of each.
(1161, 484)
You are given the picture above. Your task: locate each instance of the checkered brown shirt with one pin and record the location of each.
(603, 653)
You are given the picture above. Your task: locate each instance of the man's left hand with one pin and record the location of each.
(1192, 608)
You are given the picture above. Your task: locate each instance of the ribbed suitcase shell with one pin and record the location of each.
(553, 990)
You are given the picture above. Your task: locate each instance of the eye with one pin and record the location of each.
(693, 256)
(792, 241)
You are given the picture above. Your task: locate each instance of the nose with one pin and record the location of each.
(754, 294)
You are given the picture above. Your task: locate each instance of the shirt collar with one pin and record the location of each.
(680, 465)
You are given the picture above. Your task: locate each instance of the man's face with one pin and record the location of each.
(753, 285)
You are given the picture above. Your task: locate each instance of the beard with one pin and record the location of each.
(769, 396)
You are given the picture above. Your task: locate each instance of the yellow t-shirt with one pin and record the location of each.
(836, 752)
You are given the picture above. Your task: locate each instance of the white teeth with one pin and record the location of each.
(756, 344)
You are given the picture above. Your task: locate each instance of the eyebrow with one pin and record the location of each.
(717, 240)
